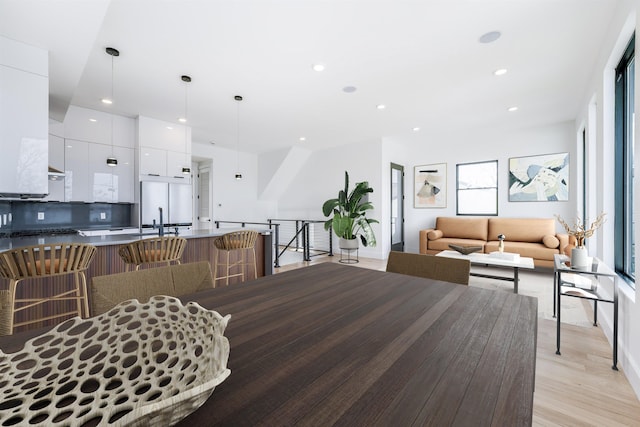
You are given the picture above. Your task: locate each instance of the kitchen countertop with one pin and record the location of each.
(106, 240)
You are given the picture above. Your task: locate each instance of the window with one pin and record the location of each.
(624, 174)
(477, 188)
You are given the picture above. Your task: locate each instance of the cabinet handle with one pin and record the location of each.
(153, 174)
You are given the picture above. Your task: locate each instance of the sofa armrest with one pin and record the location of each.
(566, 243)
(423, 240)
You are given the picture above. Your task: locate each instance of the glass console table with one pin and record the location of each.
(583, 282)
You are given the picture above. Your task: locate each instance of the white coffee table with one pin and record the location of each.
(489, 261)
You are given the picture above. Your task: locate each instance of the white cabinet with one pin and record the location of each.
(175, 163)
(24, 111)
(88, 178)
(153, 161)
(88, 125)
(76, 170)
(110, 184)
(164, 148)
(56, 161)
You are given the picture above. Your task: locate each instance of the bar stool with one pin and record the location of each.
(163, 249)
(239, 242)
(44, 261)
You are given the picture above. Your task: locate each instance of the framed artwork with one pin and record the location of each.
(430, 186)
(539, 178)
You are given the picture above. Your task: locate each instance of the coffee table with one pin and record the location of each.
(489, 261)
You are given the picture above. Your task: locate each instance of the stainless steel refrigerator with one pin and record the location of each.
(175, 200)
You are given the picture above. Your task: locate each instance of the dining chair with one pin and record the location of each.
(430, 266)
(240, 243)
(37, 262)
(165, 249)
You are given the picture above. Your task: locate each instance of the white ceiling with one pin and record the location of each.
(422, 59)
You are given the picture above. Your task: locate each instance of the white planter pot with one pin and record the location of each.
(579, 257)
(349, 243)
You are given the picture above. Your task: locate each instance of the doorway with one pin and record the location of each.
(397, 207)
(203, 199)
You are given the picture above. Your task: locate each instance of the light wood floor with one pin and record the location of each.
(578, 388)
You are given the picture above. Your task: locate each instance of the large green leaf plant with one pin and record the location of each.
(350, 213)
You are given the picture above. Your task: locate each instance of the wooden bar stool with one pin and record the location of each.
(41, 261)
(163, 249)
(239, 242)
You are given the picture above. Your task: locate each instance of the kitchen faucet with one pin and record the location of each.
(161, 226)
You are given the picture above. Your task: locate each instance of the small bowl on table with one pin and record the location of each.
(465, 250)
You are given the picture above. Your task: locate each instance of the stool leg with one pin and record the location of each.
(255, 267)
(76, 282)
(85, 297)
(243, 263)
(215, 269)
(228, 268)
(13, 284)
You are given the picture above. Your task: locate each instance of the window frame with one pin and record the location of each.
(624, 169)
(458, 189)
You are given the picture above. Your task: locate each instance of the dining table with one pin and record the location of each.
(331, 344)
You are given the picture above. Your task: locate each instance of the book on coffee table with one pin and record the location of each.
(508, 256)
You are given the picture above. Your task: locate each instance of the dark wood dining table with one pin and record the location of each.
(332, 344)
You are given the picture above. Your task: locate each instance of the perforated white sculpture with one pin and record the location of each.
(139, 364)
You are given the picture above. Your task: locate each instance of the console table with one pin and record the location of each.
(583, 282)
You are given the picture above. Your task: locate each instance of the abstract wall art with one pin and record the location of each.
(430, 186)
(541, 178)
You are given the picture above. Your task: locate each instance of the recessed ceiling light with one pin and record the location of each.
(381, 106)
(500, 72)
(349, 89)
(302, 138)
(169, 127)
(416, 129)
(182, 120)
(93, 120)
(512, 109)
(318, 67)
(489, 37)
(106, 101)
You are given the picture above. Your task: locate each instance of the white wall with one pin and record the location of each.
(598, 117)
(234, 200)
(453, 148)
(322, 178)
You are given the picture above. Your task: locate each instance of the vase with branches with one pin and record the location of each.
(579, 229)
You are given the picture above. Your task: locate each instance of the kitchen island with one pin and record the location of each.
(199, 247)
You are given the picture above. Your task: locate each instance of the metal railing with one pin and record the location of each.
(304, 236)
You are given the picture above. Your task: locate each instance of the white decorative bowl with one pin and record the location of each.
(139, 364)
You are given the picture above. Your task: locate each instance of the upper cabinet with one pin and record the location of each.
(83, 124)
(88, 144)
(24, 116)
(164, 148)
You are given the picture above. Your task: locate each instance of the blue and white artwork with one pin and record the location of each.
(542, 178)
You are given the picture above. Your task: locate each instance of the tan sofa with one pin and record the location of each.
(529, 237)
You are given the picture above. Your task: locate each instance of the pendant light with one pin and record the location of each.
(238, 174)
(111, 161)
(186, 169)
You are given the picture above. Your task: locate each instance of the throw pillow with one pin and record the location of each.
(436, 234)
(551, 241)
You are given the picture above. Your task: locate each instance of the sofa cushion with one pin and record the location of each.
(434, 234)
(443, 243)
(463, 228)
(551, 241)
(530, 230)
(532, 250)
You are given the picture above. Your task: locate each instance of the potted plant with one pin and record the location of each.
(349, 212)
